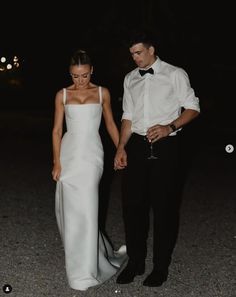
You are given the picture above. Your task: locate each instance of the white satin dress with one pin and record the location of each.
(89, 258)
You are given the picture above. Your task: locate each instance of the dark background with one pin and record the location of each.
(195, 35)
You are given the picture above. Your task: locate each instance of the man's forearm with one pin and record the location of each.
(125, 133)
(186, 117)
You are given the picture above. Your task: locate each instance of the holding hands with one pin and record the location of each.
(120, 160)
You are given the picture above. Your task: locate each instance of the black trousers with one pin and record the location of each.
(152, 185)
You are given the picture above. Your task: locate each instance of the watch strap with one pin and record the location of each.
(173, 127)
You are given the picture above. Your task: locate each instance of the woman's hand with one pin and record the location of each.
(120, 160)
(56, 171)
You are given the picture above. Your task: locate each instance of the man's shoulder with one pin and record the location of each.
(171, 68)
(131, 73)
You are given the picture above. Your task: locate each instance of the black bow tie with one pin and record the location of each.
(143, 72)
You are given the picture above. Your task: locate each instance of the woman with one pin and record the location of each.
(77, 169)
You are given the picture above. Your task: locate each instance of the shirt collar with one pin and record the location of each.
(156, 65)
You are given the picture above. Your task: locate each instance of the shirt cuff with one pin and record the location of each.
(127, 116)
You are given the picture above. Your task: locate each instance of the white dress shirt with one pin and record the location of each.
(157, 98)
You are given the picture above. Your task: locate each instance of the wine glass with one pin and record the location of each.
(151, 156)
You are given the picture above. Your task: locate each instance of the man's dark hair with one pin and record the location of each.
(145, 36)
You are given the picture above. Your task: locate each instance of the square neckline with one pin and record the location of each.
(96, 103)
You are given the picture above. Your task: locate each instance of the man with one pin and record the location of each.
(157, 102)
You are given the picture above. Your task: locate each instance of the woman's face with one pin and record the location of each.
(81, 74)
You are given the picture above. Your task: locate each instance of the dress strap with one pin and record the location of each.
(100, 94)
(64, 96)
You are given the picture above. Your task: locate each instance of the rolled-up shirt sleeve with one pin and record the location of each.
(186, 95)
(127, 103)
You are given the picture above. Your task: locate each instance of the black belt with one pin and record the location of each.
(140, 137)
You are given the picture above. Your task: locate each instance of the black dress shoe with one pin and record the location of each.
(129, 273)
(156, 278)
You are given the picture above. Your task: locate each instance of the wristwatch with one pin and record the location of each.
(173, 128)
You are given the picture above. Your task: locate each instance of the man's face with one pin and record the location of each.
(142, 55)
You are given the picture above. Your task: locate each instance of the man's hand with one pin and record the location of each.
(120, 160)
(157, 132)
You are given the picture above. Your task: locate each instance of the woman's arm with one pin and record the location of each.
(57, 135)
(108, 117)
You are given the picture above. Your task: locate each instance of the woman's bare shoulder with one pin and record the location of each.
(59, 95)
(105, 90)
(67, 88)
